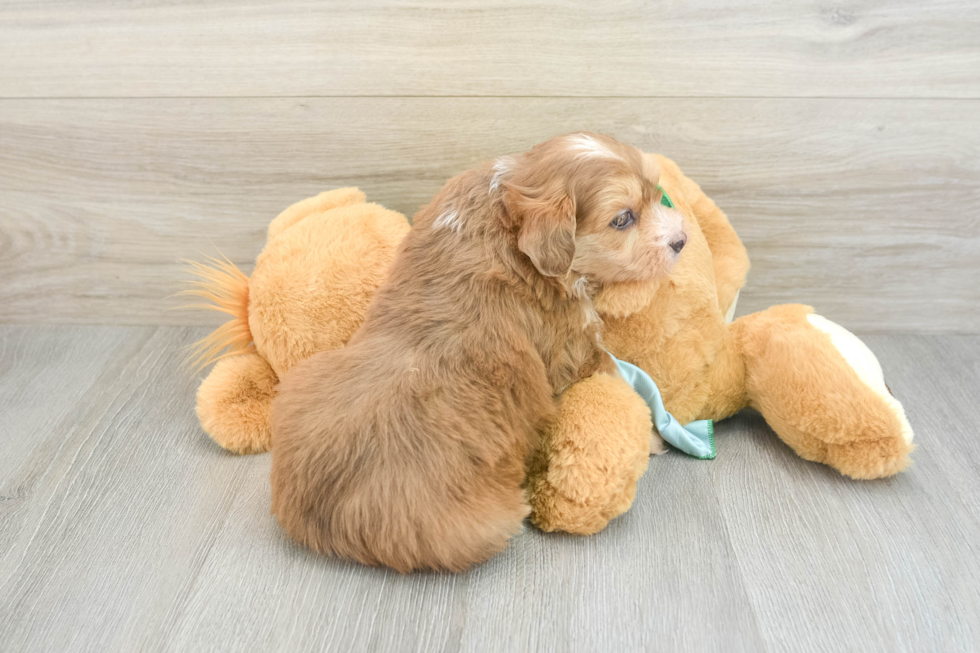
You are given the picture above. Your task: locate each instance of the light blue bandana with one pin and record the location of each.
(695, 439)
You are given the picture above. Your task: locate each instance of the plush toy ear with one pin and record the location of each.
(547, 231)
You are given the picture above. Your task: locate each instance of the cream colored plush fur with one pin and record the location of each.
(327, 255)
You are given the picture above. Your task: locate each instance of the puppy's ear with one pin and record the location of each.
(547, 231)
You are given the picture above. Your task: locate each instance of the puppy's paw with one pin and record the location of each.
(657, 444)
(586, 470)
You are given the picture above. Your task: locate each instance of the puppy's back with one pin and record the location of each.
(387, 464)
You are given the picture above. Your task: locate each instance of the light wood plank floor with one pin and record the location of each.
(123, 528)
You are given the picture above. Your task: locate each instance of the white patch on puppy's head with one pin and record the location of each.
(587, 145)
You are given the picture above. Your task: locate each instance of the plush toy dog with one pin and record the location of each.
(817, 385)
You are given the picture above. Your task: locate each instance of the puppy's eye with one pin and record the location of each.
(623, 220)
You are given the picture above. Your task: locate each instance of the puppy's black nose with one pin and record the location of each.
(678, 244)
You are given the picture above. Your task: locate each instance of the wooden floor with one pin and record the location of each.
(123, 528)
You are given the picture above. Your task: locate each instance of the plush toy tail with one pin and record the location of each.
(225, 289)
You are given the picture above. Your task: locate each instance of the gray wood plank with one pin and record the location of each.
(866, 209)
(45, 374)
(648, 582)
(876, 48)
(118, 516)
(174, 537)
(139, 534)
(889, 565)
(544, 593)
(41, 381)
(940, 380)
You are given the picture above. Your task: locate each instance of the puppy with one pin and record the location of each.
(407, 447)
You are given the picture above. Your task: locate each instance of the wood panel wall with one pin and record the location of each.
(842, 138)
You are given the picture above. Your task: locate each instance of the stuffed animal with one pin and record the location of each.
(817, 385)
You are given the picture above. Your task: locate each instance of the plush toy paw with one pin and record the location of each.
(822, 391)
(586, 471)
(234, 401)
(869, 459)
(882, 447)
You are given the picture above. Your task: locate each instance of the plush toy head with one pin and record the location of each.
(311, 286)
(317, 274)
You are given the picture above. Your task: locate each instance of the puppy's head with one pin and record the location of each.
(588, 206)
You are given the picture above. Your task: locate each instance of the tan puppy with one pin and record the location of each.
(407, 448)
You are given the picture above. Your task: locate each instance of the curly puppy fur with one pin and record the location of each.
(408, 447)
